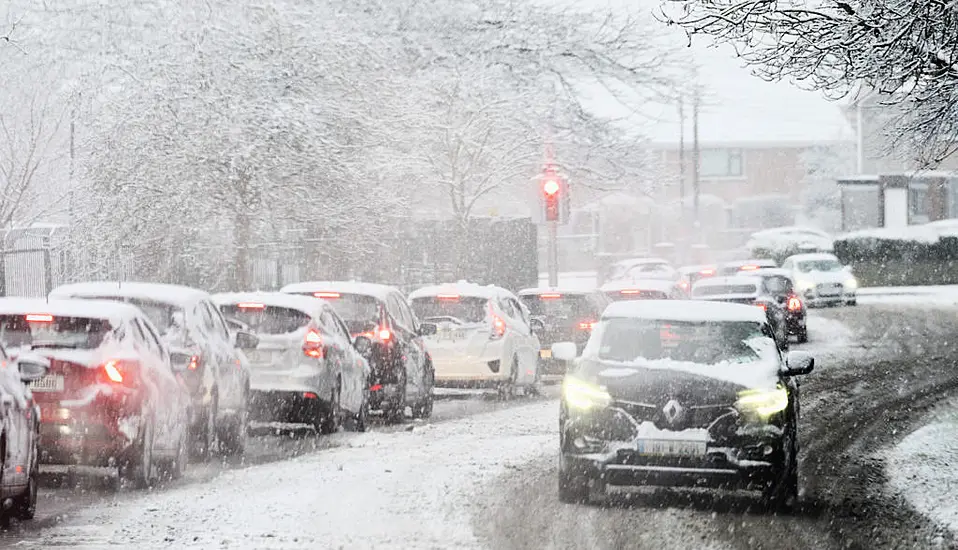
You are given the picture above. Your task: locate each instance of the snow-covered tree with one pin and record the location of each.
(903, 49)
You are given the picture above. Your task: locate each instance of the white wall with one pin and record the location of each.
(896, 207)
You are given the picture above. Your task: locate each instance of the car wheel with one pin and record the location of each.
(782, 495)
(206, 441)
(138, 468)
(396, 413)
(234, 441)
(423, 409)
(507, 389)
(802, 336)
(330, 420)
(25, 505)
(361, 421)
(178, 467)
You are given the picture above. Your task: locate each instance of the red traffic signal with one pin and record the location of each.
(550, 188)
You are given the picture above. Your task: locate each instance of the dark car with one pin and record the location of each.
(691, 274)
(402, 371)
(110, 397)
(306, 369)
(744, 267)
(681, 394)
(749, 290)
(566, 315)
(204, 350)
(20, 425)
(778, 283)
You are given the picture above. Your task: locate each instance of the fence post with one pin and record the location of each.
(47, 270)
(3, 273)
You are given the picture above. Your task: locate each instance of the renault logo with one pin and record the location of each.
(673, 412)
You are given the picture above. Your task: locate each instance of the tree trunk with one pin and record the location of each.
(242, 231)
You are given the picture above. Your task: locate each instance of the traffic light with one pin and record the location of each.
(551, 196)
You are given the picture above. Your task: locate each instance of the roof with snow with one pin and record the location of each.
(813, 257)
(375, 290)
(62, 307)
(181, 296)
(640, 261)
(538, 291)
(662, 285)
(461, 288)
(304, 304)
(689, 311)
(727, 281)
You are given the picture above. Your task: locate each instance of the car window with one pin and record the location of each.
(332, 327)
(394, 307)
(508, 308)
(153, 337)
(219, 323)
(144, 336)
(406, 314)
(518, 311)
(777, 285)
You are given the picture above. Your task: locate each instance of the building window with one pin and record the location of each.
(917, 204)
(721, 163)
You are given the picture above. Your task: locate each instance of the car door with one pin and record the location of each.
(236, 372)
(16, 414)
(338, 345)
(172, 408)
(218, 348)
(527, 342)
(150, 379)
(404, 326)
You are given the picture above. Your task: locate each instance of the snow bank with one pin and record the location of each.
(411, 489)
(921, 469)
(933, 295)
(915, 233)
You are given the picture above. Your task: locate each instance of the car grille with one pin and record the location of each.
(701, 416)
(829, 289)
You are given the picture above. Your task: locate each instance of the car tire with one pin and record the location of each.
(782, 496)
(802, 336)
(177, 468)
(573, 489)
(423, 409)
(396, 413)
(139, 467)
(360, 422)
(330, 420)
(25, 505)
(233, 441)
(507, 390)
(207, 440)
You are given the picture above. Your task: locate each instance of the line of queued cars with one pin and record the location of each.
(143, 378)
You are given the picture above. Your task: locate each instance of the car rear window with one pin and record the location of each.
(723, 290)
(622, 295)
(353, 308)
(467, 309)
(159, 313)
(42, 330)
(267, 319)
(564, 306)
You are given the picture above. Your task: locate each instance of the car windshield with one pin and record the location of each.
(465, 309)
(826, 265)
(627, 339)
(267, 319)
(47, 331)
(723, 290)
(567, 306)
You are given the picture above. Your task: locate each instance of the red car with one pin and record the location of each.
(110, 397)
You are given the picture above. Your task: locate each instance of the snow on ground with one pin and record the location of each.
(932, 295)
(922, 470)
(825, 334)
(410, 489)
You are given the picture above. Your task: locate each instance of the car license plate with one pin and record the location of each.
(545, 353)
(671, 447)
(50, 382)
(452, 334)
(830, 290)
(263, 356)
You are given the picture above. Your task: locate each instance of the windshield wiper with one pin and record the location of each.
(56, 345)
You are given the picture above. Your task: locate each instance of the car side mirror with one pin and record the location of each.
(564, 351)
(246, 340)
(798, 363)
(364, 345)
(537, 325)
(427, 329)
(32, 367)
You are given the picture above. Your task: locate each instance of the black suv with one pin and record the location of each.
(402, 371)
(681, 395)
(566, 315)
(751, 290)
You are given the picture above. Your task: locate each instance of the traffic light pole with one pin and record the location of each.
(553, 254)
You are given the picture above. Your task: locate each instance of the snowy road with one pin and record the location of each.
(481, 474)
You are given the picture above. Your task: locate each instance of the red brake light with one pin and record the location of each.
(684, 284)
(251, 305)
(112, 372)
(453, 297)
(549, 296)
(194, 363)
(39, 318)
(376, 387)
(587, 325)
(630, 291)
(310, 395)
(794, 304)
(551, 187)
(748, 268)
(326, 294)
(385, 335)
(313, 345)
(707, 272)
(763, 306)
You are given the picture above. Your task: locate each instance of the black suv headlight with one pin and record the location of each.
(584, 396)
(761, 404)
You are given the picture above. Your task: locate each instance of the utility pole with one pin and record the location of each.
(695, 162)
(684, 233)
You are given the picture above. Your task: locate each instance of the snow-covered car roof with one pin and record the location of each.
(688, 269)
(812, 257)
(640, 261)
(727, 281)
(684, 310)
(182, 296)
(768, 271)
(461, 288)
(791, 230)
(303, 304)
(639, 284)
(375, 290)
(759, 262)
(538, 291)
(107, 310)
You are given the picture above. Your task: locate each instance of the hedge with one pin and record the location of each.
(880, 261)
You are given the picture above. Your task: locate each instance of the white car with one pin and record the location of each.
(642, 268)
(643, 289)
(822, 280)
(783, 238)
(484, 336)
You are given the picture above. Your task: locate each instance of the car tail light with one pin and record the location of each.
(376, 387)
(587, 325)
(194, 363)
(630, 291)
(313, 344)
(684, 285)
(549, 296)
(251, 305)
(707, 272)
(748, 268)
(384, 334)
(762, 306)
(310, 395)
(117, 372)
(39, 318)
(448, 297)
(498, 327)
(326, 294)
(794, 304)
